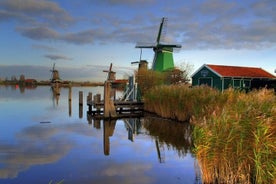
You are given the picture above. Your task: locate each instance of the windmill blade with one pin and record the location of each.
(164, 29)
(170, 45)
(161, 30)
(110, 67)
(108, 71)
(145, 45)
(135, 62)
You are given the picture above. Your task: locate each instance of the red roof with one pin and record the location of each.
(238, 71)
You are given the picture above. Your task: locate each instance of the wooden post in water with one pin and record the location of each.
(80, 98)
(70, 100)
(89, 101)
(97, 100)
(109, 108)
(80, 104)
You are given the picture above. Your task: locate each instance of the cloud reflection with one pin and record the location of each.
(35, 145)
(128, 173)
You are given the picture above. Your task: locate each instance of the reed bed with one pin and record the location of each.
(236, 144)
(182, 103)
(147, 79)
(234, 132)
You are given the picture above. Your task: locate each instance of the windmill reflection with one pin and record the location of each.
(166, 134)
(55, 94)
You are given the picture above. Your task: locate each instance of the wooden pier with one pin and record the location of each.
(109, 108)
(122, 109)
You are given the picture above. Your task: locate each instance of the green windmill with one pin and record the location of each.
(163, 52)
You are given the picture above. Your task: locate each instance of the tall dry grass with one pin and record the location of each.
(234, 134)
(181, 103)
(236, 144)
(147, 79)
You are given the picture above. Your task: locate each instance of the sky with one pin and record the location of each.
(83, 37)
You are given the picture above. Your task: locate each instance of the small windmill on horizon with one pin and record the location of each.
(163, 52)
(55, 75)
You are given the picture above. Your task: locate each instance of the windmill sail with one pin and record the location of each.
(163, 52)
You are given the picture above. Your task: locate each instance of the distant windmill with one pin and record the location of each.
(55, 75)
(163, 52)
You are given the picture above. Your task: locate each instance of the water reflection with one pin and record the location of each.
(177, 136)
(55, 94)
(173, 135)
(67, 147)
(132, 126)
(109, 127)
(35, 145)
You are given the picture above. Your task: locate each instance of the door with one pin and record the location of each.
(205, 81)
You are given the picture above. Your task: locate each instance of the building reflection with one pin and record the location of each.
(22, 88)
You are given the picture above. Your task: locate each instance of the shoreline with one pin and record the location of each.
(48, 83)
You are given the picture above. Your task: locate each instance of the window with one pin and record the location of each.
(246, 83)
(236, 83)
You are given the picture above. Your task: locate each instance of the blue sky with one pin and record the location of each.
(83, 37)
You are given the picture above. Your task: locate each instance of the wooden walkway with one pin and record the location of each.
(123, 108)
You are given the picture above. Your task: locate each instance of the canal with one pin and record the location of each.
(46, 138)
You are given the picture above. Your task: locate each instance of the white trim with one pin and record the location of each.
(214, 71)
(198, 70)
(206, 65)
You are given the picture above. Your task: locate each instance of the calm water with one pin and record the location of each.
(44, 139)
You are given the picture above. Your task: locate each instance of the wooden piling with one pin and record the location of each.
(89, 101)
(97, 100)
(70, 93)
(109, 108)
(70, 100)
(80, 104)
(80, 98)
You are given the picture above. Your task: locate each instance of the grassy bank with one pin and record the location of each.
(182, 103)
(236, 143)
(234, 133)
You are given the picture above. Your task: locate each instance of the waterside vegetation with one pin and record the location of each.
(236, 142)
(234, 132)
